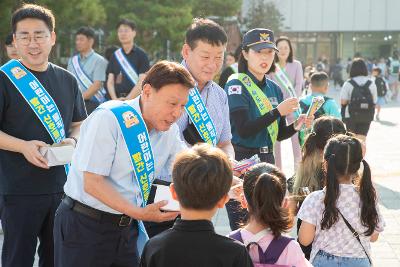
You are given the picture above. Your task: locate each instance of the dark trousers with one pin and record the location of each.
(237, 215)
(82, 241)
(25, 219)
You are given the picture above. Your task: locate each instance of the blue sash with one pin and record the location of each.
(138, 144)
(198, 114)
(85, 80)
(126, 66)
(37, 98)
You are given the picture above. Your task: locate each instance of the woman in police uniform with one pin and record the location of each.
(256, 105)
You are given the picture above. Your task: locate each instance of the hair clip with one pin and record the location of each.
(313, 133)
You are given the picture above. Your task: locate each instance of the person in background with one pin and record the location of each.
(11, 51)
(289, 69)
(231, 66)
(128, 64)
(89, 68)
(381, 88)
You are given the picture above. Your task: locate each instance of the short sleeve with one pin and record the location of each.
(238, 97)
(97, 143)
(79, 113)
(99, 73)
(345, 93)
(332, 109)
(308, 210)
(144, 63)
(113, 66)
(381, 222)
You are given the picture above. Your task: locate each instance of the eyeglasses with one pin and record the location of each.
(25, 39)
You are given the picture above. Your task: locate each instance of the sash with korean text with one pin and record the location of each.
(198, 114)
(137, 142)
(261, 100)
(126, 66)
(85, 80)
(282, 78)
(37, 98)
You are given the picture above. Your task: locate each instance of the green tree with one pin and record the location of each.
(264, 15)
(219, 8)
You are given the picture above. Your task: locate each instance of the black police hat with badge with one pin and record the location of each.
(258, 39)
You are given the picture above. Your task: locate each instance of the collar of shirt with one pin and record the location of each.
(207, 85)
(87, 56)
(261, 83)
(135, 103)
(317, 94)
(193, 225)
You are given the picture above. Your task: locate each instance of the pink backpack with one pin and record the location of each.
(273, 252)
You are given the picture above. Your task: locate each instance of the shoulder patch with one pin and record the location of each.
(235, 90)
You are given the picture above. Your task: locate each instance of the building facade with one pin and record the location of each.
(339, 28)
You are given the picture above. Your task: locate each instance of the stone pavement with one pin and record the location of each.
(383, 154)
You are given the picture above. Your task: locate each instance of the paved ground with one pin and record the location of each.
(383, 154)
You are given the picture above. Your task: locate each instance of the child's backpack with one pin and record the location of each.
(361, 105)
(380, 86)
(273, 252)
(320, 112)
(394, 66)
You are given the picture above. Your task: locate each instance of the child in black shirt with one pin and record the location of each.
(202, 177)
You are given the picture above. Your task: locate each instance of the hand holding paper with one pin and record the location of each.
(57, 154)
(163, 193)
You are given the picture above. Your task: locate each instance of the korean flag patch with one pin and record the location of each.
(235, 90)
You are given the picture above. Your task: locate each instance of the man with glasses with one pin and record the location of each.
(128, 65)
(40, 104)
(89, 68)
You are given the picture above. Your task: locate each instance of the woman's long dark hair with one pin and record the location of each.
(243, 66)
(343, 156)
(264, 187)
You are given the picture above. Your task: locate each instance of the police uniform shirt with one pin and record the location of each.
(239, 98)
(94, 66)
(138, 60)
(216, 102)
(329, 107)
(102, 150)
(17, 175)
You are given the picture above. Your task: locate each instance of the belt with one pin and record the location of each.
(98, 215)
(259, 150)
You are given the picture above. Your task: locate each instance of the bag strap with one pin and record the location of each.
(236, 235)
(356, 235)
(274, 250)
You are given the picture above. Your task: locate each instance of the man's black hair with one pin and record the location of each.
(32, 11)
(207, 31)
(87, 31)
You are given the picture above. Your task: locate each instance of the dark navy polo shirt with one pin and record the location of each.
(138, 60)
(240, 98)
(17, 175)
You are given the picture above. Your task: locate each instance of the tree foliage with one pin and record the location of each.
(158, 21)
(264, 15)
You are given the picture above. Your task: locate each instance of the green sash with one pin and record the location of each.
(262, 102)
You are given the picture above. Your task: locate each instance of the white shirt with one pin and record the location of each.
(102, 150)
(347, 89)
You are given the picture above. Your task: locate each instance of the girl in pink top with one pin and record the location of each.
(294, 71)
(264, 188)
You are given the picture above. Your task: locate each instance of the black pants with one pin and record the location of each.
(236, 214)
(25, 219)
(82, 241)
